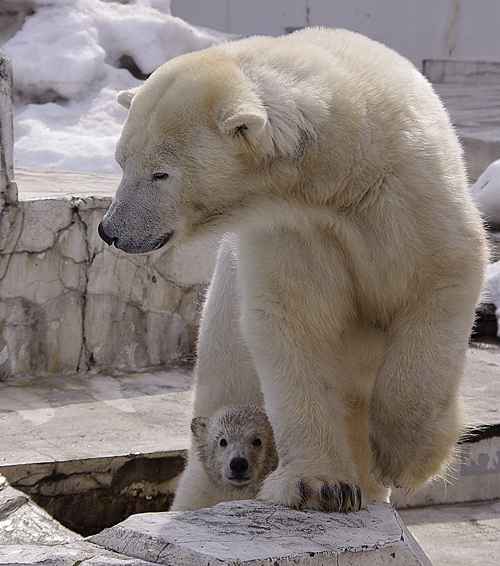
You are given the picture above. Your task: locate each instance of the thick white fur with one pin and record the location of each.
(344, 297)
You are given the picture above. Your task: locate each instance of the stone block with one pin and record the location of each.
(93, 449)
(256, 533)
(454, 71)
(41, 222)
(31, 537)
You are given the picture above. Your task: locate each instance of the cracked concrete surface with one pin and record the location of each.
(257, 533)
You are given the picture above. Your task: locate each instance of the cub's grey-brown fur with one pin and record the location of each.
(237, 451)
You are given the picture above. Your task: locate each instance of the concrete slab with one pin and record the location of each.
(255, 533)
(82, 441)
(98, 416)
(457, 535)
(481, 387)
(92, 449)
(94, 416)
(34, 183)
(475, 111)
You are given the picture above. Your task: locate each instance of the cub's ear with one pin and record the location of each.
(125, 97)
(199, 427)
(246, 119)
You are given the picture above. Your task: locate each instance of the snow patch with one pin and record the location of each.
(70, 58)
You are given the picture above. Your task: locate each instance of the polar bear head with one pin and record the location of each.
(191, 130)
(236, 447)
(196, 146)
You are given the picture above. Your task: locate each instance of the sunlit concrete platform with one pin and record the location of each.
(91, 449)
(236, 533)
(457, 535)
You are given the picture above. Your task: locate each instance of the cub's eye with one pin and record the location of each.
(159, 176)
(257, 442)
(223, 442)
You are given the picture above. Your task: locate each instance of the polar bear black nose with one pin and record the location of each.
(238, 465)
(108, 239)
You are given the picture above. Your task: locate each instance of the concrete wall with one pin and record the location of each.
(426, 29)
(70, 303)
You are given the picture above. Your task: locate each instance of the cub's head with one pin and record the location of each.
(236, 446)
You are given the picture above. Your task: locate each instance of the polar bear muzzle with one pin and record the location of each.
(130, 246)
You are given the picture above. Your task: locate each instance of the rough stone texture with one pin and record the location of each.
(256, 533)
(30, 537)
(23, 522)
(8, 190)
(231, 533)
(70, 303)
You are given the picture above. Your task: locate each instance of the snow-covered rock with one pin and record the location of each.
(486, 194)
(70, 58)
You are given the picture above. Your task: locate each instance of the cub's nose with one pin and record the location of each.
(238, 465)
(102, 233)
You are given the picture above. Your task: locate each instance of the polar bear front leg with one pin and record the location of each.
(305, 402)
(315, 469)
(294, 314)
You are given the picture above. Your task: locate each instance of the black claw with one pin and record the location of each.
(352, 494)
(326, 497)
(326, 492)
(303, 491)
(337, 496)
(360, 497)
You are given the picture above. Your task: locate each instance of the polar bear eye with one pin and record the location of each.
(160, 176)
(223, 442)
(257, 442)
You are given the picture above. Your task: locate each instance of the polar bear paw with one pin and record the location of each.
(319, 493)
(392, 468)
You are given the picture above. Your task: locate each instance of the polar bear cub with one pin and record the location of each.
(236, 449)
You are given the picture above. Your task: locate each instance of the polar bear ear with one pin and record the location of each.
(125, 97)
(199, 427)
(247, 120)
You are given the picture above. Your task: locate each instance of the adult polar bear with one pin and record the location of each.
(344, 298)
